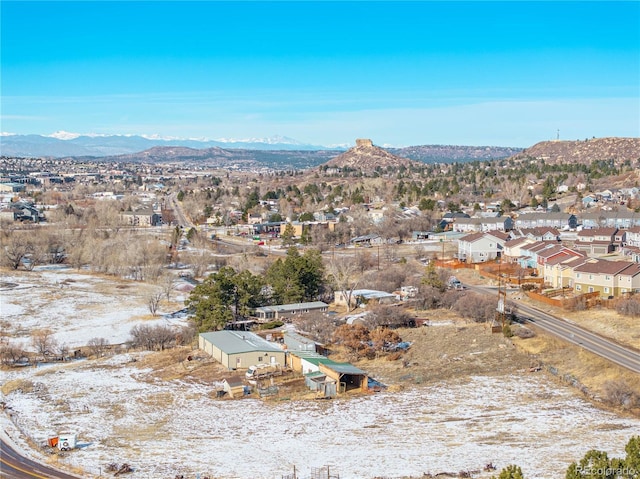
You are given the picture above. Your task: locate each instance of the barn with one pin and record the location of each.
(240, 349)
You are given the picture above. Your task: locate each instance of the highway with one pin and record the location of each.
(572, 333)
(15, 466)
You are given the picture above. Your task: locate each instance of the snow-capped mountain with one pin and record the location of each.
(64, 143)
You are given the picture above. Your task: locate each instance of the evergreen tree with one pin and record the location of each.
(510, 472)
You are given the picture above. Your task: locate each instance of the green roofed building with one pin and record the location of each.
(240, 349)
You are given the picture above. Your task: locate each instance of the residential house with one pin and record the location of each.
(141, 216)
(479, 247)
(609, 278)
(286, 311)
(11, 187)
(553, 220)
(446, 223)
(471, 225)
(632, 243)
(597, 241)
(558, 271)
(367, 240)
(512, 248)
(589, 201)
(274, 228)
(363, 296)
(548, 258)
(529, 253)
(537, 234)
(610, 219)
(240, 349)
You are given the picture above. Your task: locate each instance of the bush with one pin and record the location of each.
(529, 287)
(271, 325)
(629, 307)
(524, 333)
(618, 393)
(479, 308)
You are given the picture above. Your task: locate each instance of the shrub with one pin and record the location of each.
(629, 307)
(618, 393)
(271, 325)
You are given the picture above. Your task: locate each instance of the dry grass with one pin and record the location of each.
(572, 361)
(608, 323)
(23, 385)
(454, 349)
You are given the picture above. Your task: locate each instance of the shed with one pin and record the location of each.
(325, 387)
(233, 386)
(347, 376)
(240, 349)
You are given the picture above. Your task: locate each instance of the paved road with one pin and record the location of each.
(180, 217)
(572, 333)
(15, 466)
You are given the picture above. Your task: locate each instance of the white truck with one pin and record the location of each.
(262, 371)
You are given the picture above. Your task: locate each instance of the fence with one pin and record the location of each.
(589, 299)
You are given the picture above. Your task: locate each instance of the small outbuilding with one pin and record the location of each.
(233, 386)
(347, 376)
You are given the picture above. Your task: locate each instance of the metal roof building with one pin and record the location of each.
(240, 349)
(280, 310)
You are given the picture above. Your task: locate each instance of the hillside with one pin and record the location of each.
(453, 153)
(617, 149)
(365, 156)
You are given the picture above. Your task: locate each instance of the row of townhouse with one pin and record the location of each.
(462, 223)
(559, 265)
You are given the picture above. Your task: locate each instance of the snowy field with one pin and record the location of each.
(163, 428)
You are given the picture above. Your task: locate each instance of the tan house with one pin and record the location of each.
(597, 241)
(609, 278)
(143, 216)
(240, 349)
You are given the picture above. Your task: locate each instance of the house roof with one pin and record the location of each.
(538, 231)
(234, 381)
(502, 236)
(589, 232)
(235, 342)
(371, 294)
(472, 237)
(603, 267)
(540, 216)
(368, 237)
(284, 308)
(344, 368)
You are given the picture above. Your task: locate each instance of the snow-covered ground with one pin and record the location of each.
(164, 428)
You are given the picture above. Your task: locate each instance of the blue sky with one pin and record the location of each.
(401, 73)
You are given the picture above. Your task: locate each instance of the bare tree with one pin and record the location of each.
(345, 275)
(11, 353)
(153, 302)
(167, 283)
(98, 346)
(16, 248)
(153, 338)
(44, 342)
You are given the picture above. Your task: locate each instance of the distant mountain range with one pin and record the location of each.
(278, 152)
(63, 144)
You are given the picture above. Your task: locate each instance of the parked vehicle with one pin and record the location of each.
(262, 371)
(67, 441)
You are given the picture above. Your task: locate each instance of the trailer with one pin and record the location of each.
(67, 441)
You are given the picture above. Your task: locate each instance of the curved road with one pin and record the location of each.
(572, 333)
(15, 466)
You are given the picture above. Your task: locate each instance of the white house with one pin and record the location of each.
(479, 247)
